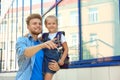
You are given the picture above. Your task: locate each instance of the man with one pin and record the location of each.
(29, 51)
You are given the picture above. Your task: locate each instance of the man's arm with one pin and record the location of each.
(30, 51)
(23, 49)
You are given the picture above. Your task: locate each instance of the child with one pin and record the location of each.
(51, 24)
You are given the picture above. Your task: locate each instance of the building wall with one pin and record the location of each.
(96, 73)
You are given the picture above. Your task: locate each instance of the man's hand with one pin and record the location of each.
(53, 65)
(49, 44)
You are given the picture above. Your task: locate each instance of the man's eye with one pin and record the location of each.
(40, 24)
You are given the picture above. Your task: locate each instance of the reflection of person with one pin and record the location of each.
(51, 24)
(29, 51)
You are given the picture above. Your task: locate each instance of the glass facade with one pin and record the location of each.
(91, 27)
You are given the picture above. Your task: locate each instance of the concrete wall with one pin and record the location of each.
(96, 73)
(7, 76)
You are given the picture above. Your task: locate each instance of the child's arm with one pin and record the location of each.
(65, 53)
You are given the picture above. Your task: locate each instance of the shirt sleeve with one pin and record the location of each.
(63, 38)
(21, 45)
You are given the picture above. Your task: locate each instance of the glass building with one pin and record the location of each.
(91, 29)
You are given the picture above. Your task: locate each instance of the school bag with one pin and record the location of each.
(58, 36)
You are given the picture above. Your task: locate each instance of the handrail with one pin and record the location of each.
(100, 41)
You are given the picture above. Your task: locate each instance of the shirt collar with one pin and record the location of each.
(30, 37)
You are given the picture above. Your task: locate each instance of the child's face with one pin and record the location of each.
(52, 25)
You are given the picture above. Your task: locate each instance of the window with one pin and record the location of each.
(0, 56)
(74, 39)
(60, 20)
(100, 41)
(0, 7)
(93, 15)
(74, 56)
(48, 6)
(74, 18)
(93, 39)
(68, 17)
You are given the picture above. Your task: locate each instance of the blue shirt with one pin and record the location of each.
(29, 68)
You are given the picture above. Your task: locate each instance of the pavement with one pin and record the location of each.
(7, 75)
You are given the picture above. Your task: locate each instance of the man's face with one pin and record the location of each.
(35, 26)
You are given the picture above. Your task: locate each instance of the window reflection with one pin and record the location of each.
(100, 29)
(68, 18)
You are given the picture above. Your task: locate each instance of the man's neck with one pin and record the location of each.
(35, 37)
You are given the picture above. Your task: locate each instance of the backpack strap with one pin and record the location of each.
(58, 36)
(59, 33)
(45, 37)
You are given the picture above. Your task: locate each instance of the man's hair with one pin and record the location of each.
(32, 16)
(51, 16)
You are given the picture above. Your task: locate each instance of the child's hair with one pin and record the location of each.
(32, 16)
(51, 16)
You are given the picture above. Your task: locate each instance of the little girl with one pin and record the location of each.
(51, 24)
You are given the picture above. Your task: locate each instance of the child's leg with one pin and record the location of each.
(48, 76)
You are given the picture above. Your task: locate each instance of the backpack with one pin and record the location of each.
(58, 36)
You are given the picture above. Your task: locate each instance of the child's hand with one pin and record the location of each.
(61, 62)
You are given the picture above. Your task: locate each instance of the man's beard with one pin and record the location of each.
(35, 33)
